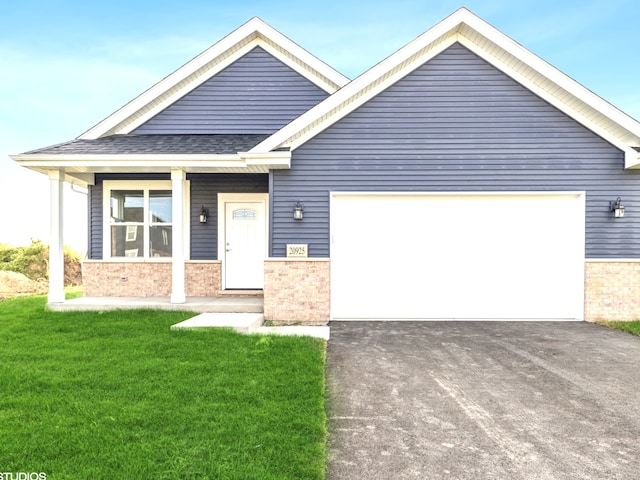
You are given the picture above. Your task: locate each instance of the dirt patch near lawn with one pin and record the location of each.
(14, 284)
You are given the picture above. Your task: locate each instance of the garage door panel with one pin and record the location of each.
(446, 256)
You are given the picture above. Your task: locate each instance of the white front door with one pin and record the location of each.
(244, 241)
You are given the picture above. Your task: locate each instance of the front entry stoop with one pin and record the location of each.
(249, 323)
(240, 322)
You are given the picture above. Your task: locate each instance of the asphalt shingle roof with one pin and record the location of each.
(156, 144)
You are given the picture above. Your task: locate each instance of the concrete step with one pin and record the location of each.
(249, 323)
(240, 322)
(231, 305)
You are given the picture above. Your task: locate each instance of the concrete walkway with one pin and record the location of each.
(472, 400)
(241, 313)
(250, 323)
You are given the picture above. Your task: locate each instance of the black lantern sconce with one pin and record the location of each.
(297, 211)
(204, 213)
(617, 208)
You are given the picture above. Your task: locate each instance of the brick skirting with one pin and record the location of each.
(297, 291)
(612, 290)
(148, 279)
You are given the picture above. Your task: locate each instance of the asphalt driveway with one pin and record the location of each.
(490, 400)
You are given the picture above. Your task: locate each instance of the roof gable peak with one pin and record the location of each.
(254, 33)
(493, 46)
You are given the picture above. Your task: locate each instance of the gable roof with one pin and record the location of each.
(222, 54)
(494, 47)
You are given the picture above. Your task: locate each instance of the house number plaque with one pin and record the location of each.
(297, 250)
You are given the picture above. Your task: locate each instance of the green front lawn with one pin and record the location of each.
(630, 327)
(120, 395)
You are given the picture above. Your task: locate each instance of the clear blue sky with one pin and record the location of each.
(66, 65)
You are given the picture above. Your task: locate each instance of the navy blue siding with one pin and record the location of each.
(204, 192)
(457, 124)
(256, 94)
(95, 222)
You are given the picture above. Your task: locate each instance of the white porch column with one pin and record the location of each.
(178, 179)
(56, 242)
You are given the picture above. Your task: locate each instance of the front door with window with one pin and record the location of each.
(244, 245)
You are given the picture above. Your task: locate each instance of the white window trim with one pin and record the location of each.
(109, 185)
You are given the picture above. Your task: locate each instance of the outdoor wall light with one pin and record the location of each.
(617, 208)
(297, 211)
(204, 213)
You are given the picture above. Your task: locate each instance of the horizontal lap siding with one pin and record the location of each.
(255, 94)
(95, 222)
(457, 124)
(204, 192)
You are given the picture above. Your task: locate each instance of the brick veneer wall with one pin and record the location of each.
(612, 290)
(297, 291)
(148, 279)
(203, 279)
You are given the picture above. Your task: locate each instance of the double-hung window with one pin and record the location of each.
(139, 222)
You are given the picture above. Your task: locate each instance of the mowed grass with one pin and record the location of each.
(629, 327)
(119, 395)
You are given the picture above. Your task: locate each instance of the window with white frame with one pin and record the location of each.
(139, 223)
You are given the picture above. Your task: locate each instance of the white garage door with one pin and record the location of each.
(440, 256)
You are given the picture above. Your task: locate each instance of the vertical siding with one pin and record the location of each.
(457, 124)
(256, 94)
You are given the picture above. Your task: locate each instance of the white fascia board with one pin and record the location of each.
(275, 160)
(220, 55)
(459, 27)
(308, 66)
(631, 159)
(159, 103)
(333, 79)
(168, 94)
(581, 94)
(145, 162)
(366, 86)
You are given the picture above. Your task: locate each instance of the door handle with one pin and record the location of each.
(228, 248)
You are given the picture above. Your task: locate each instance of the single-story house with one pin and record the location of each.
(462, 177)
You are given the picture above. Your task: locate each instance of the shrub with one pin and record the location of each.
(33, 260)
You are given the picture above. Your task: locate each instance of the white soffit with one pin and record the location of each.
(219, 56)
(493, 46)
(81, 167)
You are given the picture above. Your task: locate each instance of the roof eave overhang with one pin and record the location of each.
(632, 159)
(81, 168)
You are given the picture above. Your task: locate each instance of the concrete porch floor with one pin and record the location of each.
(230, 304)
(243, 314)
